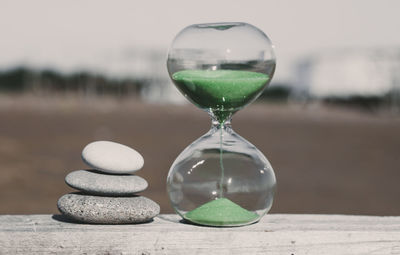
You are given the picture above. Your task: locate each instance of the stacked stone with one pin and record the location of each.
(108, 193)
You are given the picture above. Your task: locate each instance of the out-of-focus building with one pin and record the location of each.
(129, 72)
(149, 66)
(349, 73)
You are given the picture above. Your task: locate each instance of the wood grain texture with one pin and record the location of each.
(274, 234)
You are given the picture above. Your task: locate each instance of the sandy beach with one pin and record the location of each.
(326, 160)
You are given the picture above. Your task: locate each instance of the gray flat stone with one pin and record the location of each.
(111, 157)
(95, 183)
(107, 210)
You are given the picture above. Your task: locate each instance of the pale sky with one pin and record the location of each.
(71, 34)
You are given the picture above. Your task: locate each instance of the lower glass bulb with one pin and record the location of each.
(221, 180)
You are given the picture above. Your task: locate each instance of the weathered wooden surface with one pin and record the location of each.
(274, 234)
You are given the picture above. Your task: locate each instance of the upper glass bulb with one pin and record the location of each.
(221, 67)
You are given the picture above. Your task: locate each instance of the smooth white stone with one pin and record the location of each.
(111, 157)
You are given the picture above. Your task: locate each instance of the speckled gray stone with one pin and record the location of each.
(107, 210)
(95, 183)
(111, 157)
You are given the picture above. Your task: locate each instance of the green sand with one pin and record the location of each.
(220, 212)
(221, 91)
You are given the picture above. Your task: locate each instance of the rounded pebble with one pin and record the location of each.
(92, 182)
(107, 210)
(111, 157)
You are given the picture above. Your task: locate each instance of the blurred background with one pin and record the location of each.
(72, 72)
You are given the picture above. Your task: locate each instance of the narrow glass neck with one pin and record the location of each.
(216, 125)
(221, 115)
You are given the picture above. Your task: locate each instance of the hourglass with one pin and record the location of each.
(221, 179)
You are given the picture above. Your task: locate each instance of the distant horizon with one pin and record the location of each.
(68, 35)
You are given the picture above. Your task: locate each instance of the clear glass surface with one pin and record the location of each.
(221, 179)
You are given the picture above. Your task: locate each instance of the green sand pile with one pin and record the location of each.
(220, 212)
(223, 91)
